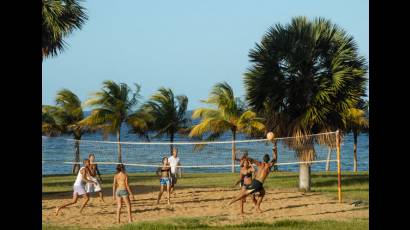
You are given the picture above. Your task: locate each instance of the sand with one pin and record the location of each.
(200, 202)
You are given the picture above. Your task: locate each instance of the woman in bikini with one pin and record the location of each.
(246, 179)
(94, 172)
(164, 172)
(121, 191)
(79, 187)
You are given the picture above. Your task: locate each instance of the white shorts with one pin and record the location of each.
(90, 187)
(79, 189)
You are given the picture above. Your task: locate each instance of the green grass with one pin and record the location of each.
(197, 223)
(354, 186)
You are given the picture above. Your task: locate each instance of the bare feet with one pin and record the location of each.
(57, 210)
(259, 210)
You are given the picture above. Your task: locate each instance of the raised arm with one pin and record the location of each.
(253, 161)
(252, 168)
(274, 158)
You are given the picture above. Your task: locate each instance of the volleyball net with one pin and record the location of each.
(318, 150)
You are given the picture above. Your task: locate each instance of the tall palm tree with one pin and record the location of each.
(112, 107)
(310, 73)
(356, 123)
(167, 113)
(228, 114)
(66, 118)
(60, 18)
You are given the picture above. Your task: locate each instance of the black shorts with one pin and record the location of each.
(241, 183)
(256, 186)
(173, 178)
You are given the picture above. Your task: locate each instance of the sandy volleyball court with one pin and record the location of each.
(200, 202)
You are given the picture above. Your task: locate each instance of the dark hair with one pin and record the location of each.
(120, 168)
(86, 160)
(163, 159)
(91, 154)
(266, 158)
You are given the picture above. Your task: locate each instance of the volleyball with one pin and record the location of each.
(270, 136)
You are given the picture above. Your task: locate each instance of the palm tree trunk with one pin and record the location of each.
(305, 154)
(171, 146)
(304, 177)
(76, 167)
(355, 134)
(233, 150)
(119, 145)
(328, 159)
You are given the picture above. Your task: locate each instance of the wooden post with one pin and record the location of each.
(339, 181)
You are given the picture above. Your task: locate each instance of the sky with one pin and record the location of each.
(185, 45)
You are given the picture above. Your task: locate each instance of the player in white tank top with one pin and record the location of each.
(94, 172)
(78, 187)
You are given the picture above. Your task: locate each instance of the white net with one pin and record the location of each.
(318, 150)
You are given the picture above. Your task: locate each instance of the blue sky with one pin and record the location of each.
(187, 45)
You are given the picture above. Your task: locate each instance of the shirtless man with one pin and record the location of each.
(257, 183)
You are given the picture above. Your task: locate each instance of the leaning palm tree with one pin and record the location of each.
(167, 113)
(60, 18)
(228, 114)
(49, 126)
(356, 123)
(310, 73)
(66, 118)
(112, 107)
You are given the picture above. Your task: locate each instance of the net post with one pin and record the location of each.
(339, 181)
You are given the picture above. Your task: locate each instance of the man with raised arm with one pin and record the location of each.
(257, 183)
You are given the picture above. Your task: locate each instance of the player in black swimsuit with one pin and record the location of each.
(246, 173)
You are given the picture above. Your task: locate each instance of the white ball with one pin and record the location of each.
(270, 136)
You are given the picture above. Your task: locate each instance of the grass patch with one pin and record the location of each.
(197, 223)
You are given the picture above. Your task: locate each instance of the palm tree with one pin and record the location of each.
(356, 123)
(50, 127)
(228, 114)
(167, 113)
(309, 73)
(66, 118)
(60, 18)
(113, 105)
(140, 122)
